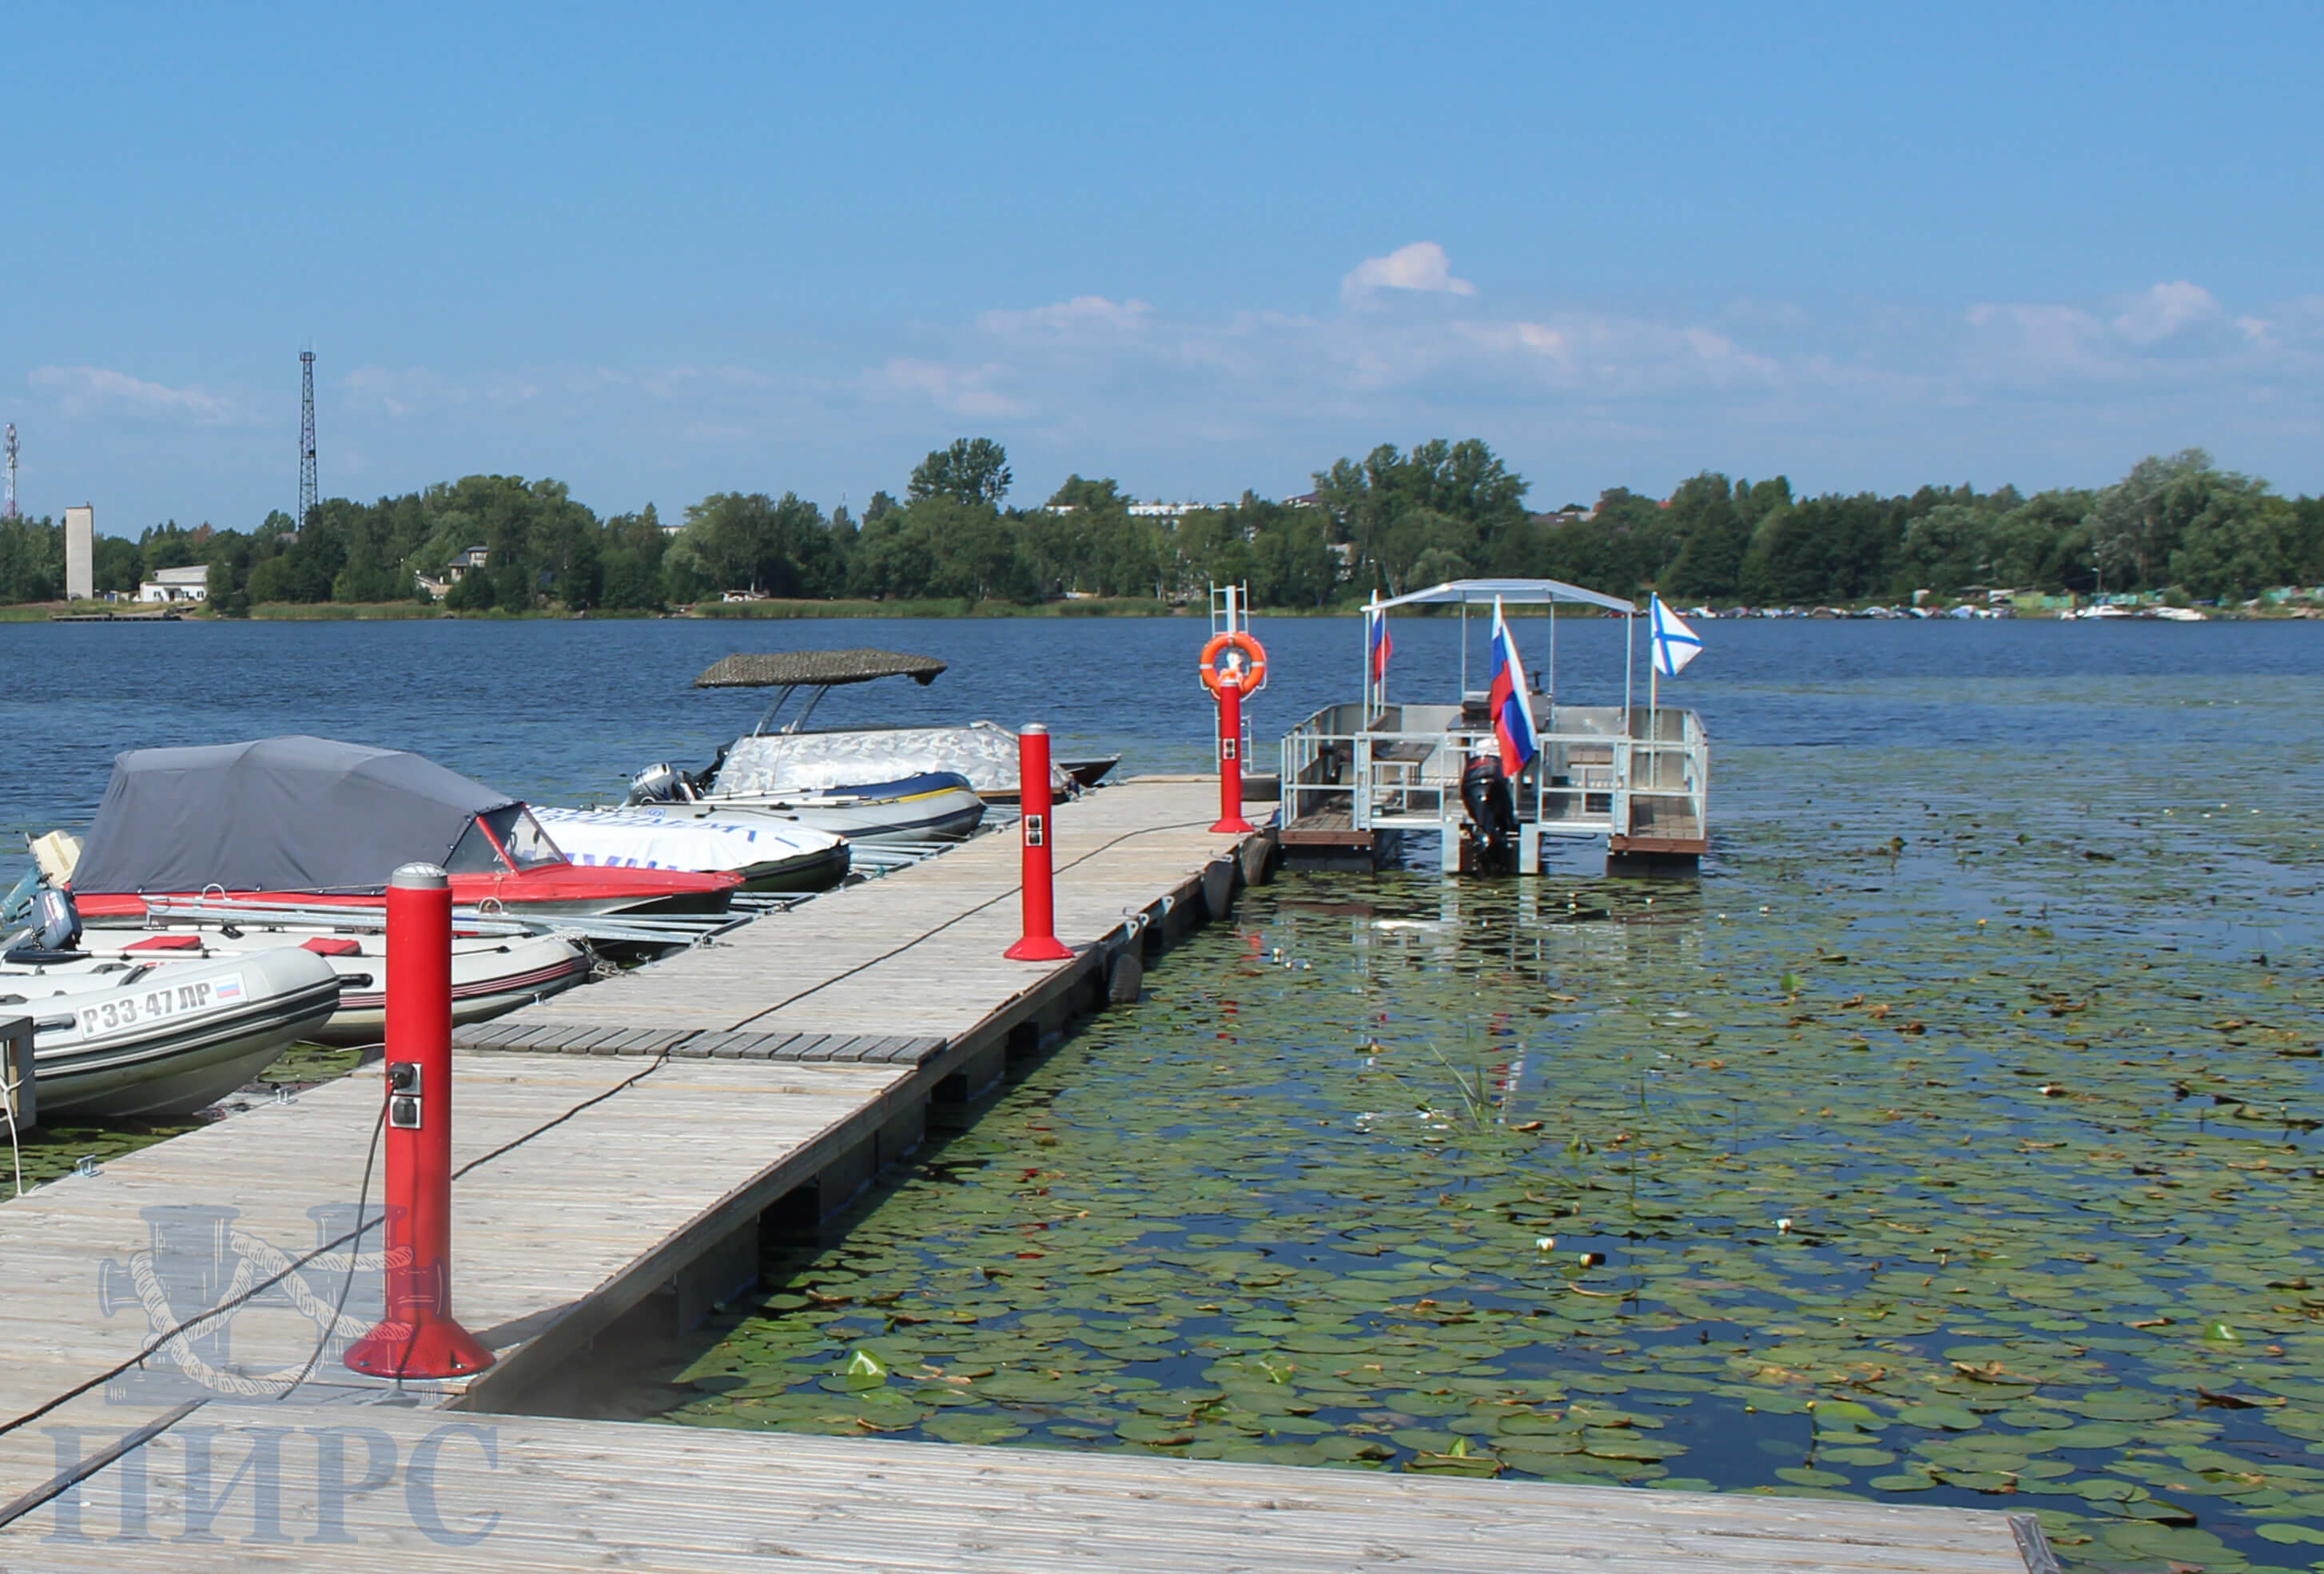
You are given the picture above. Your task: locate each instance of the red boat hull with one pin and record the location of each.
(556, 888)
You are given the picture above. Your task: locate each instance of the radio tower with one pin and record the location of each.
(8, 509)
(306, 438)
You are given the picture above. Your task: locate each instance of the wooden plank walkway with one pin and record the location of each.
(460, 1493)
(618, 1145)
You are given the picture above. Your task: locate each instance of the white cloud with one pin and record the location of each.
(1084, 314)
(82, 389)
(961, 389)
(1421, 266)
(2165, 310)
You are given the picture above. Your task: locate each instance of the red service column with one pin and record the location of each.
(1041, 943)
(418, 1337)
(1231, 820)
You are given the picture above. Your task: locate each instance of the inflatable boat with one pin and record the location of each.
(124, 1039)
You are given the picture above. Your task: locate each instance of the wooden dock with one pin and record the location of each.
(617, 1148)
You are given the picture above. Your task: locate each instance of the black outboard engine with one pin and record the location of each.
(1493, 814)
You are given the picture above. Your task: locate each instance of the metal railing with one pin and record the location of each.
(1599, 771)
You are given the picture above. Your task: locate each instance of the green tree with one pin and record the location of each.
(117, 566)
(1464, 481)
(1714, 536)
(973, 471)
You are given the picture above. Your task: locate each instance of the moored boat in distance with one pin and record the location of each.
(937, 806)
(783, 762)
(323, 823)
(764, 853)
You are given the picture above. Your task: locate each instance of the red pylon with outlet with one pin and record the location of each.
(418, 1337)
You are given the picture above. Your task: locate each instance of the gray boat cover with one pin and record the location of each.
(291, 813)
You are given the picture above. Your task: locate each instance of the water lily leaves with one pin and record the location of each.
(1856, 1456)
(1807, 1476)
(1231, 1264)
(1949, 1417)
(972, 1429)
(1621, 1443)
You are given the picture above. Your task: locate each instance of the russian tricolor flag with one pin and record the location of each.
(1383, 648)
(1505, 700)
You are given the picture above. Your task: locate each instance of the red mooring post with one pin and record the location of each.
(1229, 696)
(418, 1337)
(1039, 882)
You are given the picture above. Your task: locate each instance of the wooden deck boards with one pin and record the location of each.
(609, 1139)
(916, 955)
(502, 1491)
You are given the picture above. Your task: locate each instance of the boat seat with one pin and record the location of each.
(332, 946)
(166, 943)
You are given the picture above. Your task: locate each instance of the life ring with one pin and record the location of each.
(1250, 681)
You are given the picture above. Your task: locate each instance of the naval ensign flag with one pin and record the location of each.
(1674, 643)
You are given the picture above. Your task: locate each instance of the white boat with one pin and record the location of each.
(939, 806)
(138, 1039)
(783, 761)
(490, 975)
(768, 854)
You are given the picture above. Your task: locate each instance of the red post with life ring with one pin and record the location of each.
(418, 1337)
(1228, 685)
(1038, 882)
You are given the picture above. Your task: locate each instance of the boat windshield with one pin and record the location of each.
(503, 838)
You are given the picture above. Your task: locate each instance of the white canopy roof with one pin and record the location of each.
(1516, 592)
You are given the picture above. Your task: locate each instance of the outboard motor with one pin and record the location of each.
(662, 784)
(1493, 814)
(57, 922)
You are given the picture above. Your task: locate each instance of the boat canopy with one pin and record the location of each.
(1515, 591)
(818, 669)
(293, 814)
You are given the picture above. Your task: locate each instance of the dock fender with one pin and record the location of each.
(1125, 977)
(1154, 930)
(1258, 856)
(1218, 887)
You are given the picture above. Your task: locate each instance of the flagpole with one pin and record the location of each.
(1653, 673)
(1371, 612)
(1630, 665)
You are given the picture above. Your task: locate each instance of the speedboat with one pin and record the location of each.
(769, 854)
(782, 760)
(129, 1040)
(491, 975)
(937, 806)
(320, 822)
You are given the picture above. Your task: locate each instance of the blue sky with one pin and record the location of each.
(659, 252)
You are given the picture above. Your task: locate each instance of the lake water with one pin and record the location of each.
(1951, 1140)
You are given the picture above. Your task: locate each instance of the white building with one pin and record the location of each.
(80, 553)
(191, 583)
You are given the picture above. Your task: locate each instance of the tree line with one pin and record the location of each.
(1392, 521)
